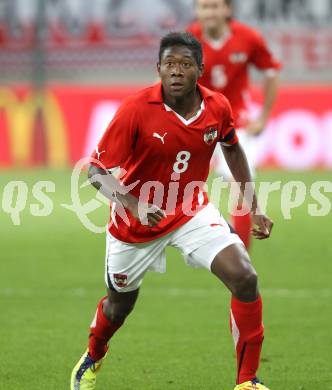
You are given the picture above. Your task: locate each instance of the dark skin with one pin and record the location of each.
(179, 73)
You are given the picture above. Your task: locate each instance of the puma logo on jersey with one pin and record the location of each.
(156, 135)
(99, 153)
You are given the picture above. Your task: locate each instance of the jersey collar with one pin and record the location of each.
(217, 44)
(189, 121)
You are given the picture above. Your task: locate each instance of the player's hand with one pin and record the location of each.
(150, 214)
(262, 226)
(256, 126)
(147, 213)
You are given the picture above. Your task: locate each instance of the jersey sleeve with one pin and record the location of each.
(261, 56)
(117, 143)
(228, 134)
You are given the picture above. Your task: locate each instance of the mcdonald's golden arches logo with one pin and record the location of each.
(22, 114)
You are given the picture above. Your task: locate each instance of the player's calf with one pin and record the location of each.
(117, 306)
(110, 316)
(232, 265)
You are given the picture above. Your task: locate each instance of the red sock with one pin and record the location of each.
(242, 226)
(101, 330)
(248, 334)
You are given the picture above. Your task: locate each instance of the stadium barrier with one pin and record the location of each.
(58, 126)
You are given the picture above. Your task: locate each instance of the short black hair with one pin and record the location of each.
(182, 39)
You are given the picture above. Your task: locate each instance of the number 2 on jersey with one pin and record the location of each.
(181, 163)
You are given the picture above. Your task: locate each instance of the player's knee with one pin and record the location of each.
(245, 286)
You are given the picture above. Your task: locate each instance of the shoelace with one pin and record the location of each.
(88, 362)
(256, 381)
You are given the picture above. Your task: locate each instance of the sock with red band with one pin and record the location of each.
(248, 334)
(101, 331)
(242, 226)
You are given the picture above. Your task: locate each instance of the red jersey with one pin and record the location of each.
(227, 63)
(168, 155)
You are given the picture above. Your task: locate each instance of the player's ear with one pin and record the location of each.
(158, 68)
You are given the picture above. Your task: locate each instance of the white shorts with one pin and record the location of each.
(219, 164)
(199, 240)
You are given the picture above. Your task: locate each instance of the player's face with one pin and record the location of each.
(211, 13)
(178, 71)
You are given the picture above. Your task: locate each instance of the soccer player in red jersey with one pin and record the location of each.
(162, 138)
(229, 49)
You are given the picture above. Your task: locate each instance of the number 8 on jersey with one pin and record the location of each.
(181, 163)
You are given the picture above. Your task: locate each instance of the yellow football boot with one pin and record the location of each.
(83, 376)
(251, 385)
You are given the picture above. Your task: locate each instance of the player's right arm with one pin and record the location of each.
(106, 183)
(114, 149)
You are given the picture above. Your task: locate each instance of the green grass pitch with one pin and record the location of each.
(52, 274)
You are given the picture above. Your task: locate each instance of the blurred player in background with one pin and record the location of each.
(166, 135)
(229, 48)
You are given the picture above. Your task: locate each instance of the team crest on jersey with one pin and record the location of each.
(210, 135)
(238, 57)
(120, 280)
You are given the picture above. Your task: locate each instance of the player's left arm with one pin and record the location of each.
(264, 61)
(238, 165)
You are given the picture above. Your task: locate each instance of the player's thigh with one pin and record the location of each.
(126, 263)
(203, 237)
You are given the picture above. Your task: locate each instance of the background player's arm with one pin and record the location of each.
(238, 165)
(264, 61)
(270, 86)
(105, 182)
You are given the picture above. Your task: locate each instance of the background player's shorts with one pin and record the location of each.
(219, 164)
(199, 240)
